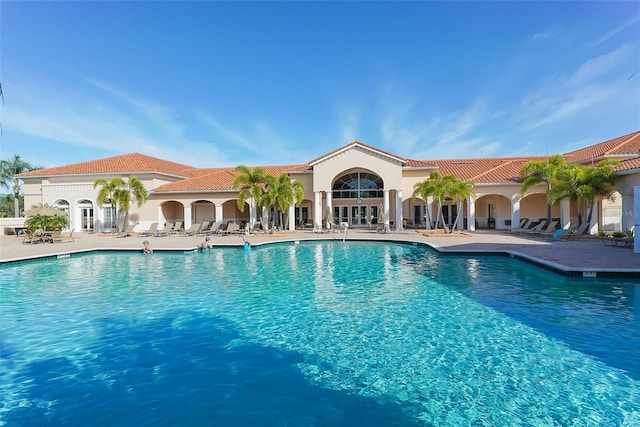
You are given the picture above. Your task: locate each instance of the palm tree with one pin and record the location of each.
(538, 172)
(422, 190)
(107, 193)
(281, 193)
(435, 186)
(251, 183)
(459, 191)
(571, 184)
(599, 183)
(120, 194)
(8, 171)
(131, 191)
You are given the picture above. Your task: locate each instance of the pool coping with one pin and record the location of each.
(587, 273)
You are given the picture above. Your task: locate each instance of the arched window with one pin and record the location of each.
(363, 185)
(63, 205)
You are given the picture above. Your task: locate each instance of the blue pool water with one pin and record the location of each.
(314, 334)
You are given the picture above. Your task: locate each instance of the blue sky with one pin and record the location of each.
(261, 83)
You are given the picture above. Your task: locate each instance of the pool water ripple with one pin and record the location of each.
(319, 334)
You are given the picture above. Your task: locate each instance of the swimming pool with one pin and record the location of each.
(315, 334)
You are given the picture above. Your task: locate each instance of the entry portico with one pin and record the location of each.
(360, 189)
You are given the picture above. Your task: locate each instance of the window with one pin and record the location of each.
(363, 185)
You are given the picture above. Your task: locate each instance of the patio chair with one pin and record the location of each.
(524, 225)
(232, 228)
(213, 228)
(204, 228)
(191, 231)
(150, 231)
(55, 236)
(28, 236)
(126, 232)
(537, 228)
(177, 228)
(575, 233)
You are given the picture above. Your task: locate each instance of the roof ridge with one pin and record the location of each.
(622, 144)
(500, 166)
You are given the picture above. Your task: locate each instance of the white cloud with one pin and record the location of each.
(615, 31)
(596, 67)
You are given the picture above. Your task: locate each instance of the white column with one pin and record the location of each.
(428, 212)
(595, 217)
(471, 213)
(317, 211)
(187, 216)
(636, 219)
(627, 213)
(219, 212)
(329, 207)
(399, 217)
(565, 212)
(252, 213)
(385, 207)
(161, 218)
(515, 212)
(292, 217)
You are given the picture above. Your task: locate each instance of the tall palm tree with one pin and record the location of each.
(599, 183)
(435, 186)
(281, 193)
(570, 179)
(107, 193)
(538, 172)
(459, 191)
(132, 191)
(8, 171)
(251, 183)
(422, 190)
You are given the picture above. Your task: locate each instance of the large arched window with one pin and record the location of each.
(363, 185)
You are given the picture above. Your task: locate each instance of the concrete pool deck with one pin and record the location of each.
(585, 257)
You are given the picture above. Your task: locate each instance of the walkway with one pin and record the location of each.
(585, 257)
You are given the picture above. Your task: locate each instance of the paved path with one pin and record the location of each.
(587, 255)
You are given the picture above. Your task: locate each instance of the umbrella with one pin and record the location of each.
(44, 211)
(380, 215)
(329, 217)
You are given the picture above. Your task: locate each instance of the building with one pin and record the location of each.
(357, 184)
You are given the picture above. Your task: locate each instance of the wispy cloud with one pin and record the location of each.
(541, 36)
(593, 82)
(615, 31)
(162, 116)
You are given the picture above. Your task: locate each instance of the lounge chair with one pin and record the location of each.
(204, 228)
(537, 228)
(150, 231)
(177, 228)
(380, 228)
(575, 233)
(213, 228)
(232, 228)
(548, 230)
(126, 232)
(524, 225)
(191, 231)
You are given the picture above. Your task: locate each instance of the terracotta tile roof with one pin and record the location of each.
(623, 146)
(481, 170)
(219, 179)
(125, 163)
(627, 165)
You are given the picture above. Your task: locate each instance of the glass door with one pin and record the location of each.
(86, 218)
(359, 216)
